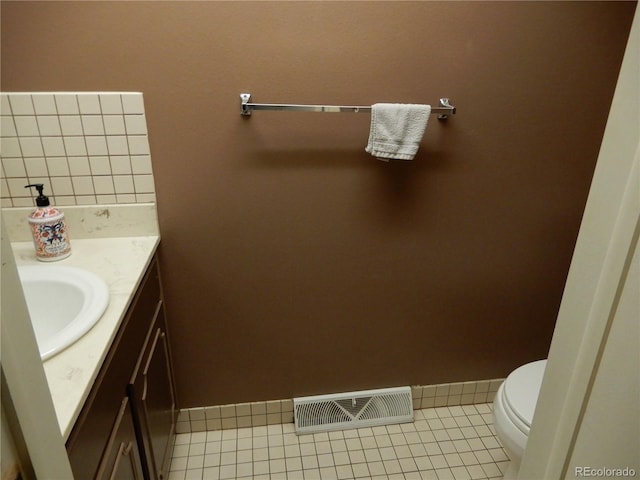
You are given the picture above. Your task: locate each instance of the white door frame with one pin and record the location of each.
(606, 242)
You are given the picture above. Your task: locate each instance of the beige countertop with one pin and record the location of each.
(121, 262)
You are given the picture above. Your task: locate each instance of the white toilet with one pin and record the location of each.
(513, 410)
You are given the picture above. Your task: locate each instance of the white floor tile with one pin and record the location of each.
(444, 443)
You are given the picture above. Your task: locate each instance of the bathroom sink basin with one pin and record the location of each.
(63, 302)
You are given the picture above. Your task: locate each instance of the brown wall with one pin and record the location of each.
(294, 263)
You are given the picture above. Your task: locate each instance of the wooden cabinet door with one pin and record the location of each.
(121, 460)
(154, 402)
(88, 440)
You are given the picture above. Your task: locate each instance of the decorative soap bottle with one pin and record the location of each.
(50, 234)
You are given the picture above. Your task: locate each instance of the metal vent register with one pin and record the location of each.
(341, 411)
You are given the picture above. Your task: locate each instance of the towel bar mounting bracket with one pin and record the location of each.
(444, 102)
(245, 98)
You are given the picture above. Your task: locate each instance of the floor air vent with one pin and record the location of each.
(341, 411)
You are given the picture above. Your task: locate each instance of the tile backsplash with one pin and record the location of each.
(86, 147)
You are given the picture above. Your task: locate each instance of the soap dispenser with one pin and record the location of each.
(50, 234)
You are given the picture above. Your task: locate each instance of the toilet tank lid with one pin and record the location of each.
(522, 387)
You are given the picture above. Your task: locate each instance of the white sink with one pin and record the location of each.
(64, 303)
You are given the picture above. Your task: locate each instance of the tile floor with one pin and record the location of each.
(442, 443)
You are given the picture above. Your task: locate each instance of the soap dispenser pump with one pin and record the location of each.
(49, 230)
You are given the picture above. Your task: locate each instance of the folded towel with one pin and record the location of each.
(396, 130)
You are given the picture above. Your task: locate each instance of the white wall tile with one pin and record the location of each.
(27, 126)
(21, 104)
(10, 147)
(114, 124)
(44, 104)
(89, 104)
(106, 199)
(111, 103)
(86, 200)
(132, 103)
(75, 146)
(49, 125)
(141, 164)
(100, 165)
(5, 107)
(145, 198)
(117, 145)
(125, 198)
(31, 146)
(67, 104)
(96, 145)
(120, 164)
(7, 126)
(103, 185)
(83, 185)
(71, 125)
(144, 183)
(53, 146)
(86, 147)
(123, 183)
(62, 200)
(138, 145)
(16, 187)
(92, 124)
(136, 124)
(61, 186)
(58, 167)
(36, 167)
(79, 166)
(14, 167)
(23, 202)
(4, 187)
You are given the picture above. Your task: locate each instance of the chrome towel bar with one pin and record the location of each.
(246, 107)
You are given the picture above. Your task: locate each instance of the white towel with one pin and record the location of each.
(396, 130)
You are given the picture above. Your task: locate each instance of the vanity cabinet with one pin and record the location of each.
(153, 400)
(127, 424)
(121, 460)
